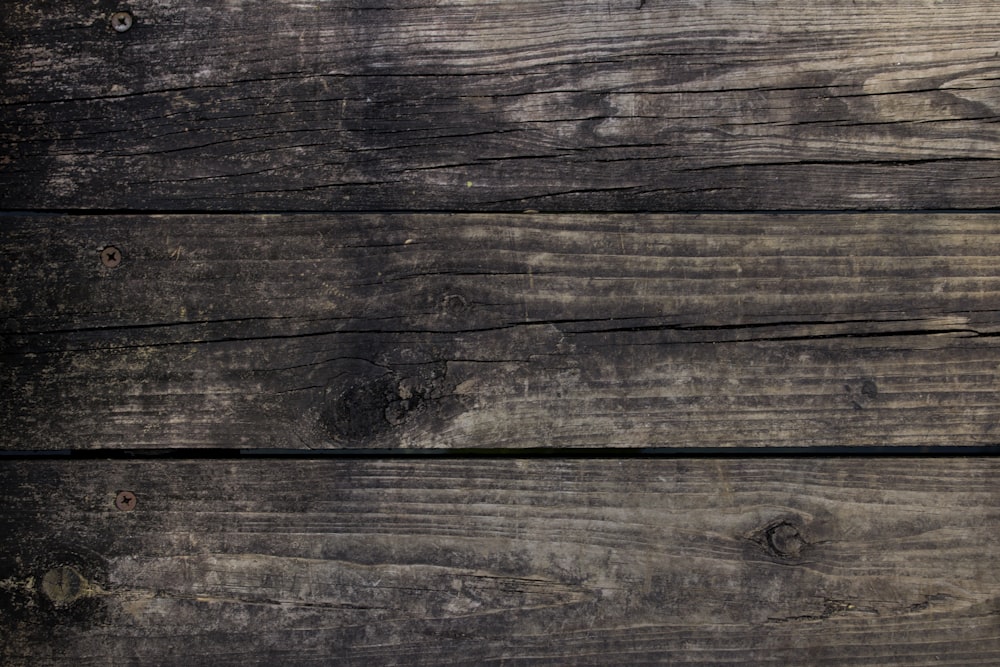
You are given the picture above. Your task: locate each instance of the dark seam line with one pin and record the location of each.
(574, 453)
(487, 210)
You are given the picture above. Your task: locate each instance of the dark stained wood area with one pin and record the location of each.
(703, 562)
(624, 105)
(499, 332)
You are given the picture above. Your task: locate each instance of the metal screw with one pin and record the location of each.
(125, 501)
(121, 21)
(111, 257)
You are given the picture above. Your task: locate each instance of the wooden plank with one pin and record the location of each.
(805, 561)
(384, 331)
(625, 105)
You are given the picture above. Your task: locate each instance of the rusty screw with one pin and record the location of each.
(111, 257)
(125, 501)
(121, 21)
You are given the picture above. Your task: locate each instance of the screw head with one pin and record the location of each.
(111, 257)
(121, 21)
(125, 501)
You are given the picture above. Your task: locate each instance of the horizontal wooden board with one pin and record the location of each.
(707, 562)
(483, 331)
(625, 105)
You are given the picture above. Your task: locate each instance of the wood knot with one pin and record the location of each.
(358, 411)
(371, 406)
(781, 540)
(65, 585)
(454, 304)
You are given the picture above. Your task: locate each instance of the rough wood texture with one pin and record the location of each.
(613, 105)
(500, 331)
(708, 562)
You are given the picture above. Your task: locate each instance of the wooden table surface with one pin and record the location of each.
(500, 332)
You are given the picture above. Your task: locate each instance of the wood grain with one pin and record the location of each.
(497, 331)
(626, 105)
(727, 561)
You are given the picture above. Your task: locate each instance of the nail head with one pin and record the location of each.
(125, 501)
(111, 257)
(121, 21)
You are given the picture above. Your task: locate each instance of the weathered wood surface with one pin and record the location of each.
(484, 331)
(622, 105)
(761, 561)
